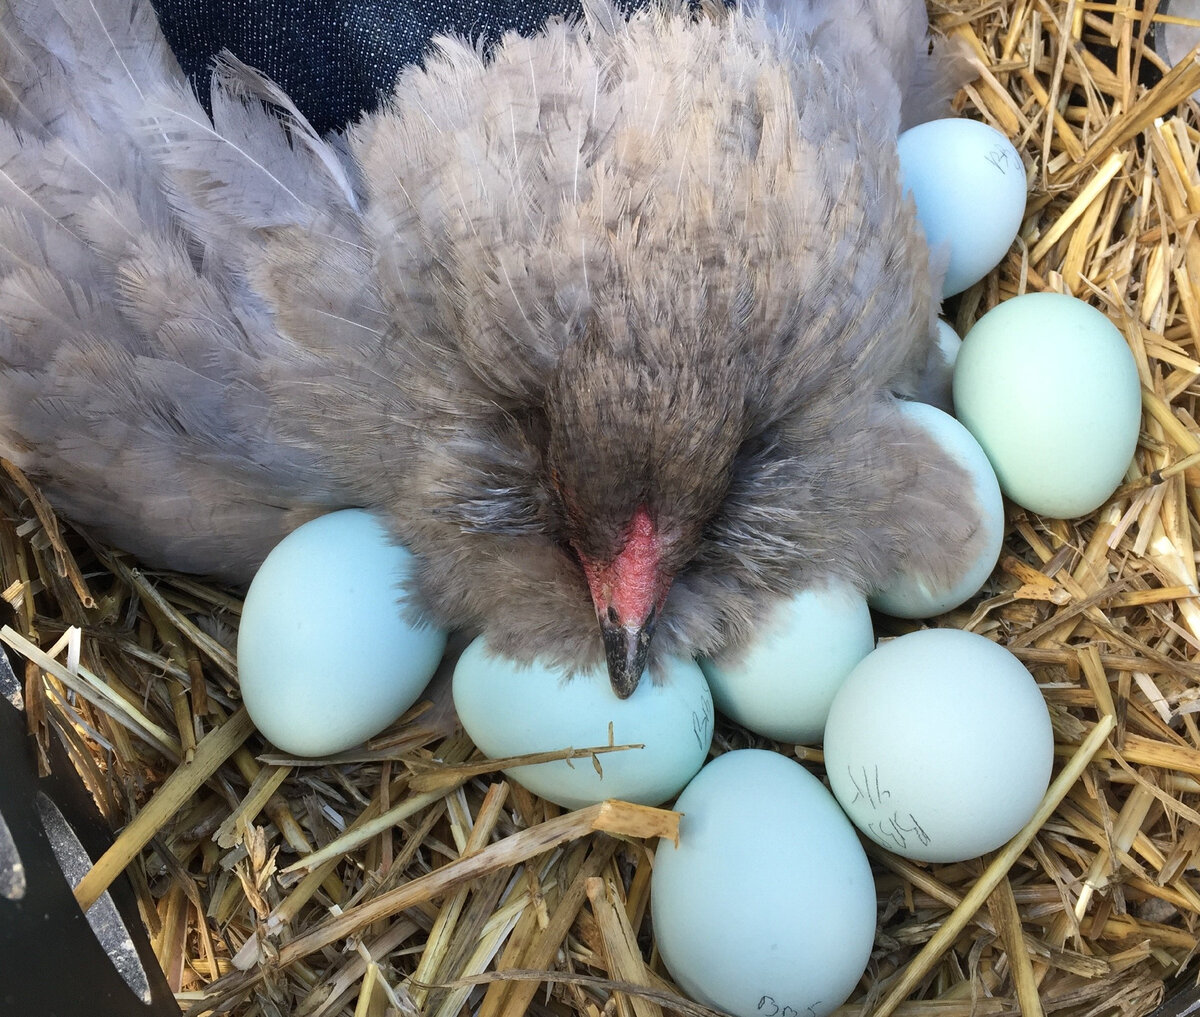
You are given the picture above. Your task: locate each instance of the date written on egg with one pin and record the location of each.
(896, 828)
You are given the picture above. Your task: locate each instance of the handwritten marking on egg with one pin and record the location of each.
(969, 186)
(1048, 386)
(781, 685)
(509, 709)
(325, 657)
(939, 745)
(767, 904)
(911, 595)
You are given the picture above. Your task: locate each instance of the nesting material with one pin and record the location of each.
(407, 877)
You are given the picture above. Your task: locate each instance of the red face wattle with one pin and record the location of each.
(628, 593)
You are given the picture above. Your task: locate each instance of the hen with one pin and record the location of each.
(609, 324)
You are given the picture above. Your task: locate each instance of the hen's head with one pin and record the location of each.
(634, 303)
(642, 442)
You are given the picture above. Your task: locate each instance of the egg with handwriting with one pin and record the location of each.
(781, 684)
(968, 183)
(1048, 386)
(939, 745)
(511, 709)
(910, 595)
(767, 903)
(326, 657)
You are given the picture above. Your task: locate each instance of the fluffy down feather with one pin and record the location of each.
(659, 268)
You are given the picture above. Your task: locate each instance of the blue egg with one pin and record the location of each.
(968, 183)
(513, 709)
(782, 683)
(326, 658)
(1049, 388)
(939, 745)
(912, 595)
(766, 906)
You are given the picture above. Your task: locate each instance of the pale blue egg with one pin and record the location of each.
(937, 387)
(767, 903)
(1175, 40)
(511, 709)
(782, 683)
(325, 657)
(912, 595)
(1048, 386)
(968, 183)
(948, 344)
(939, 745)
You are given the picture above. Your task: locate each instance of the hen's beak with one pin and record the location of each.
(627, 592)
(626, 647)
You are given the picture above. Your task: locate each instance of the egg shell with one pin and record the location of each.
(1173, 40)
(510, 709)
(969, 186)
(939, 745)
(781, 685)
(768, 899)
(937, 381)
(1048, 387)
(914, 596)
(948, 344)
(325, 657)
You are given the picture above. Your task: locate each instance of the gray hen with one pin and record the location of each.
(609, 326)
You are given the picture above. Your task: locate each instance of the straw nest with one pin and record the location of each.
(409, 878)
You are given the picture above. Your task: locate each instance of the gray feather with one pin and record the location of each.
(663, 261)
(130, 343)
